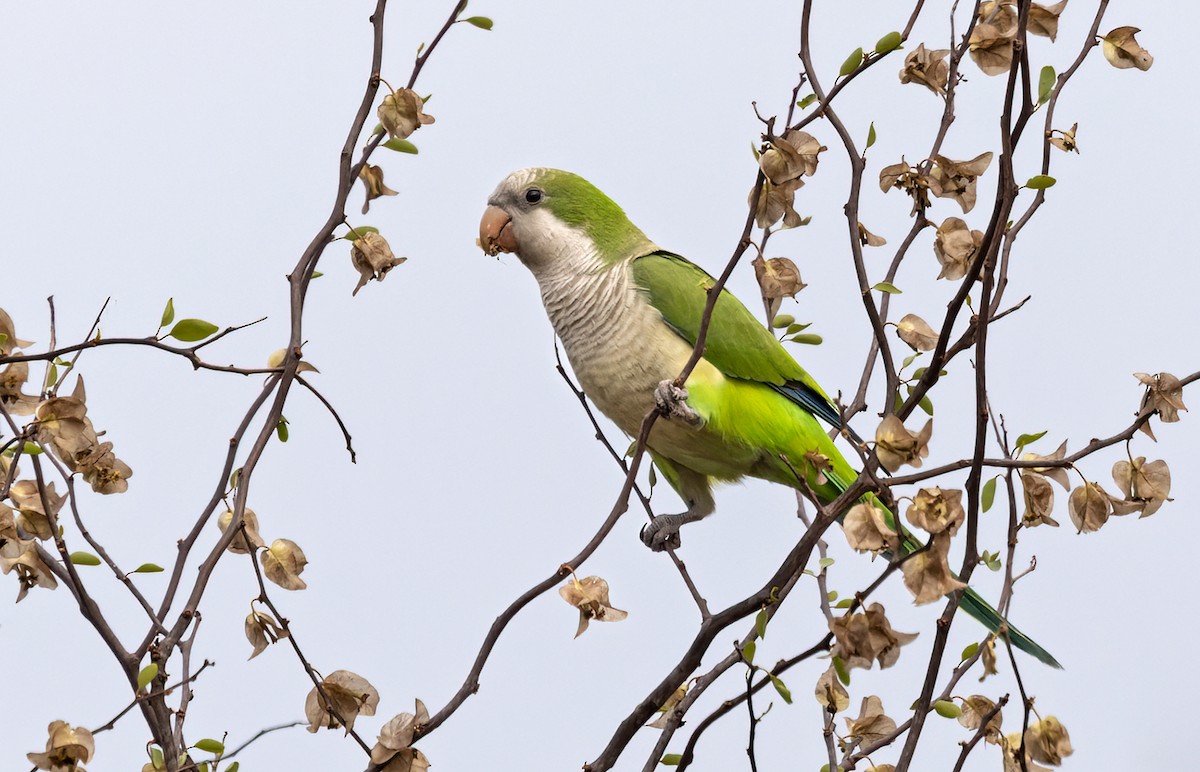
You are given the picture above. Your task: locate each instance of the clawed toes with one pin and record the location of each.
(660, 537)
(672, 403)
(668, 396)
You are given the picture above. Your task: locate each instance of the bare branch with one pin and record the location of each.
(261, 733)
(333, 412)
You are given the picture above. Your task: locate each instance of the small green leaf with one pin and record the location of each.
(358, 231)
(994, 563)
(888, 287)
(146, 675)
(84, 559)
(987, 496)
(1029, 439)
(843, 674)
(926, 404)
(52, 375)
(831, 596)
(234, 767)
(760, 623)
(148, 568)
(781, 687)
(871, 135)
(845, 603)
(889, 42)
(671, 759)
(748, 651)
(281, 429)
(192, 330)
(899, 403)
(315, 275)
(156, 759)
(653, 477)
(168, 314)
(804, 103)
(1040, 182)
(851, 64)
(969, 652)
(209, 745)
(826, 562)
(807, 338)
(947, 709)
(482, 22)
(795, 328)
(401, 146)
(908, 360)
(783, 320)
(1045, 84)
(31, 448)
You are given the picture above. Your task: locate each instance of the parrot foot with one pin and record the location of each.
(672, 403)
(662, 532)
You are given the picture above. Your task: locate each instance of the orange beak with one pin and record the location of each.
(495, 231)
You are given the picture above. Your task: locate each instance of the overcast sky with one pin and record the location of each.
(189, 150)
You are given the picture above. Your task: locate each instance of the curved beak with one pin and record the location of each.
(495, 232)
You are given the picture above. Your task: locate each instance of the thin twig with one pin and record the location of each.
(185, 694)
(701, 603)
(312, 673)
(857, 166)
(979, 733)
(91, 331)
(188, 353)
(261, 733)
(753, 719)
(333, 412)
(419, 64)
(112, 722)
(122, 576)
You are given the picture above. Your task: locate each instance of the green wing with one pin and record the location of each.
(737, 344)
(740, 347)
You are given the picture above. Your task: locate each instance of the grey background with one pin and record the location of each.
(156, 150)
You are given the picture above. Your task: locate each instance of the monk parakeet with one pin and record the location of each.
(628, 314)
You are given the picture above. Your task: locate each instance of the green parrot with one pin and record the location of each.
(628, 313)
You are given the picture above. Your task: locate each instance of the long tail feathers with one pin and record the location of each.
(978, 608)
(974, 605)
(971, 602)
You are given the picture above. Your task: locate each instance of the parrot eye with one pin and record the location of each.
(533, 195)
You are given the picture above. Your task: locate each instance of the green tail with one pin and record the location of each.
(837, 480)
(971, 602)
(978, 608)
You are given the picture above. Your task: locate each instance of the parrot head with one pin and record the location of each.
(543, 215)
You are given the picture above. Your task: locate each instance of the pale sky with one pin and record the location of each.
(189, 151)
